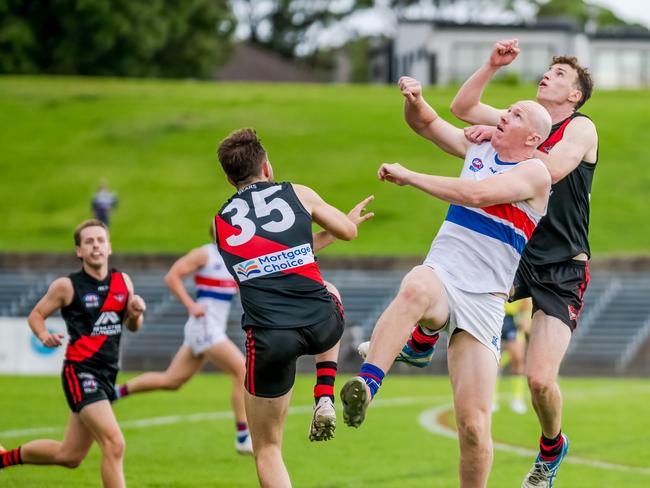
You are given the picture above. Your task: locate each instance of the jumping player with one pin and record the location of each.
(264, 235)
(554, 269)
(94, 303)
(495, 205)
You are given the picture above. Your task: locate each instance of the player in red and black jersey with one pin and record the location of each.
(554, 266)
(264, 234)
(94, 302)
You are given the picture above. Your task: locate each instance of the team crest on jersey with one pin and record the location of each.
(476, 165)
(91, 300)
(119, 297)
(247, 269)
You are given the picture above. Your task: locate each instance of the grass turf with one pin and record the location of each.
(391, 449)
(155, 141)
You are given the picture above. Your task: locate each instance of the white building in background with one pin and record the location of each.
(440, 53)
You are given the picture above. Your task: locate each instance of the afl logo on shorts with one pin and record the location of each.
(91, 300)
(88, 383)
(476, 165)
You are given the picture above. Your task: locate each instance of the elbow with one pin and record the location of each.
(459, 109)
(475, 198)
(169, 278)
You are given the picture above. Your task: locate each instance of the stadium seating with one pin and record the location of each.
(614, 324)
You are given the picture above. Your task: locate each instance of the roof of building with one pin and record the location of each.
(252, 63)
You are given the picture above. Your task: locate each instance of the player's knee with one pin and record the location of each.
(114, 446)
(473, 429)
(539, 385)
(414, 294)
(174, 383)
(72, 460)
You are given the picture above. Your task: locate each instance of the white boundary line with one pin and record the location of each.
(429, 420)
(225, 415)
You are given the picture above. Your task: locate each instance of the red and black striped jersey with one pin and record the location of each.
(264, 235)
(564, 231)
(94, 319)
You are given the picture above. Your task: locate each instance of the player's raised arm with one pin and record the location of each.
(526, 182)
(424, 120)
(135, 307)
(467, 104)
(580, 137)
(192, 261)
(328, 217)
(358, 215)
(59, 294)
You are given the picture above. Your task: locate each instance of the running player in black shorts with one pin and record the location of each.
(264, 234)
(554, 267)
(94, 303)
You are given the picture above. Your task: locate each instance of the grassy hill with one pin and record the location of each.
(155, 141)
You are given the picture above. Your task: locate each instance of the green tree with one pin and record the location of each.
(114, 37)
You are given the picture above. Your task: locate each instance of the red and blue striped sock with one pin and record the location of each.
(325, 378)
(373, 376)
(242, 431)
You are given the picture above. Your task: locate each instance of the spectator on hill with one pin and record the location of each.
(103, 202)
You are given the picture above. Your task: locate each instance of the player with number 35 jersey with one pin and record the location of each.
(264, 234)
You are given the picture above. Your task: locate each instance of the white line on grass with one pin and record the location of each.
(205, 416)
(430, 420)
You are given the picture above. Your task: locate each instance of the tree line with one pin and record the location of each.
(192, 38)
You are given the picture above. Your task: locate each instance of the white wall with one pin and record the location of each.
(22, 353)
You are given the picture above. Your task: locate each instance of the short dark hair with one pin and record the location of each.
(241, 155)
(84, 225)
(585, 83)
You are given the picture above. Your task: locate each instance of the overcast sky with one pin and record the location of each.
(630, 10)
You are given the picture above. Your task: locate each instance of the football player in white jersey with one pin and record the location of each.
(205, 334)
(461, 287)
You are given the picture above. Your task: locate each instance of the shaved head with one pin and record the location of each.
(539, 120)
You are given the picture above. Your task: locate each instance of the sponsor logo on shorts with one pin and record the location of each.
(573, 314)
(476, 165)
(88, 383)
(288, 259)
(495, 342)
(91, 300)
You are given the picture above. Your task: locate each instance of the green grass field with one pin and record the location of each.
(155, 141)
(391, 449)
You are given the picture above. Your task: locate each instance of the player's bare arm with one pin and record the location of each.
(529, 181)
(59, 294)
(357, 215)
(467, 104)
(328, 217)
(580, 143)
(192, 261)
(135, 307)
(424, 120)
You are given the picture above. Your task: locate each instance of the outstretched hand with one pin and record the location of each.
(411, 88)
(479, 133)
(395, 173)
(357, 215)
(504, 52)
